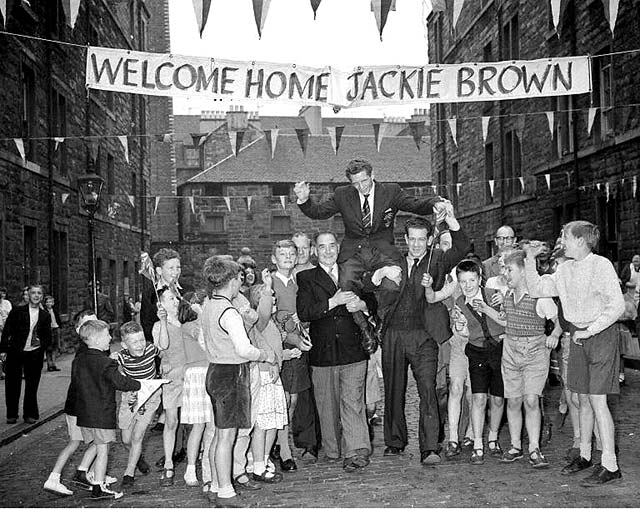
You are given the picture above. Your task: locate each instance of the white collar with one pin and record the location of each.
(371, 193)
(475, 297)
(285, 280)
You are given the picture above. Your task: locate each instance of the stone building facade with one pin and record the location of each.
(590, 176)
(43, 227)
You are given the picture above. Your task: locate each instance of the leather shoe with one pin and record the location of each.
(53, 368)
(12, 420)
(249, 485)
(393, 451)
(30, 420)
(310, 455)
(577, 465)
(275, 453)
(430, 458)
(601, 476)
(288, 465)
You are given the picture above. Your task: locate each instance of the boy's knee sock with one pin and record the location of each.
(585, 451)
(226, 492)
(609, 462)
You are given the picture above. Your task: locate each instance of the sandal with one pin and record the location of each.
(477, 457)
(511, 455)
(537, 460)
(167, 480)
(467, 443)
(496, 450)
(206, 487)
(267, 477)
(354, 463)
(453, 449)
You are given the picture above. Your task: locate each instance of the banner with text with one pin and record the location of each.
(174, 75)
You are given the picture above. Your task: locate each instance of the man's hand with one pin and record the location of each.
(267, 278)
(479, 306)
(427, 280)
(579, 336)
(249, 316)
(305, 345)
(440, 210)
(291, 353)
(162, 313)
(391, 272)
(533, 248)
(341, 297)
(497, 299)
(302, 191)
(356, 304)
(552, 342)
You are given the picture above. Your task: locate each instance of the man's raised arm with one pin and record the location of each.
(310, 207)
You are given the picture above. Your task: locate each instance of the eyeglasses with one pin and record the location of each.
(504, 239)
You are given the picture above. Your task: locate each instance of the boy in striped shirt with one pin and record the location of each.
(137, 360)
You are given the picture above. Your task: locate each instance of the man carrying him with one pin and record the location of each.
(412, 331)
(338, 362)
(505, 239)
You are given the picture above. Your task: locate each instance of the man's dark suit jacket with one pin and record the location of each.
(389, 198)
(335, 336)
(16, 329)
(435, 317)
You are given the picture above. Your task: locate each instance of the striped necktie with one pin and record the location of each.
(366, 213)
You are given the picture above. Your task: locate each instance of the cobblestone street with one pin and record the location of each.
(388, 481)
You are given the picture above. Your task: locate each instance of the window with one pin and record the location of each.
(134, 193)
(440, 121)
(563, 142)
(280, 189)
(60, 276)
(512, 167)
(562, 215)
(603, 93)
(213, 189)
(281, 224)
(109, 100)
(437, 36)
(454, 179)
(144, 33)
(191, 156)
(30, 255)
(98, 269)
(511, 39)
(126, 292)
(28, 109)
(487, 53)
(488, 172)
(112, 289)
(59, 129)
(134, 113)
(55, 18)
(111, 177)
(213, 223)
(441, 182)
(608, 221)
(143, 121)
(2, 243)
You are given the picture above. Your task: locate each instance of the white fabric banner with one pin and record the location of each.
(158, 74)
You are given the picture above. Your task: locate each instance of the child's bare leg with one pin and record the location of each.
(497, 409)
(136, 436)
(454, 407)
(514, 418)
(100, 467)
(478, 408)
(223, 459)
(64, 456)
(88, 458)
(533, 420)
(208, 470)
(606, 428)
(258, 447)
(586, 425)
(193, 447)
(283, 434)
(169, 436)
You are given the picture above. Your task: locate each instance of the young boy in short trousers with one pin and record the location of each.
(592, 301)
(526, 352)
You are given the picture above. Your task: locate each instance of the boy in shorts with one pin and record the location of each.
(96, 379)
(229, 352)
(138, 360)
(592, 301)
(484, 351)
(526, 352)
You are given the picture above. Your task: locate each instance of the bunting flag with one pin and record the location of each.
(458, 187)
(3, 11)
(272, 139)
(453, 126)
(521, 179)
(591, 116)
(58, 141)
(155, 207)
(132, 200)
(20, 146)
(71, 8)
(201, 7)
(198, 138)
(335, 134)
(611, 12)
(260, 9)
(125, 146)
(485, 129)
(381, 11)
(438, 5)
(313, 117)
(417, 131)
(492, 184)
(282, 202)
(634, 186)
(249, 200)
(235, 138)
(64, 197)
(606, 189)
(521, 120)
(94, 149)
(547, 179)
(192, 204)
(598, 186)
(227, 202)
(551, 121)
(167, 138)
(555, 13)
(457, 8)
(303, 139)
(568, 179)
(314, 5)
(435, 190)
(379, 131)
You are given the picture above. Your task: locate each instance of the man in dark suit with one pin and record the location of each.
(411, 333)
(25, 337)
(338, 362)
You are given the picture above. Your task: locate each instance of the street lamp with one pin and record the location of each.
(90, 187)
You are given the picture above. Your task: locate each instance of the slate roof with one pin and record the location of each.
(398, 161)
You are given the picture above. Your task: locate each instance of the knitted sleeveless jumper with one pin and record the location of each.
(522, 319)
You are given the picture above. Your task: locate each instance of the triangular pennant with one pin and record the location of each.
(64, 197)
(521, 120)
(634, 186)
(198, 139)
(227, 202)
(94, 149)
(485, 129)
(434, 189)
(550, 121)
(314, 5)
(20, 146)
(453, 125)
(132, 200)
(555, 13)
(417, 131)
(458, 187)
(167, 138)
(335, 134)
(272, 139)
(568, 178)
(438, 5)
(303, 139)
(313, 117)
(547, 179)
(381, 11)
(283, 202)
(611, 12)
(3, 11)
(192, 204)
(233, 138)
(249, 200)
(591, 116)
(58, 141)
(457, 8)
(606, 190)
(201, 7)
(598, 186)
(492, 184)
(125, 146)
(379, 131)
(260, 9)
(71, 8)
(155, 206)
(521, 179)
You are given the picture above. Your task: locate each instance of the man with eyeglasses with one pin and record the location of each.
(505, 239)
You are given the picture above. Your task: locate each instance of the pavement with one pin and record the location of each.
(387, 482)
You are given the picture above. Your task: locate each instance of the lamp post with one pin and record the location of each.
(90, 188)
